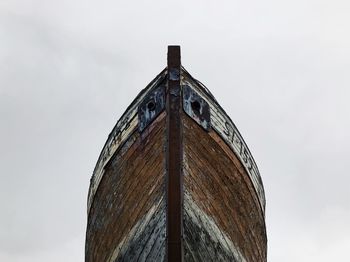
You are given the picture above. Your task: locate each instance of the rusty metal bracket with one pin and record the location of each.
(196, 107)
(151, 106)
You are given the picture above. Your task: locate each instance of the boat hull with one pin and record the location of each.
(175, 181)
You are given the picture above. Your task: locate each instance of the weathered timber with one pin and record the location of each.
(217, 187)
(174, 158)
(229, 133)
(175, 181)
(120, 133)
(129, 202)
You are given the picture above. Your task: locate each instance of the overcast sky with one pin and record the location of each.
(69, 69)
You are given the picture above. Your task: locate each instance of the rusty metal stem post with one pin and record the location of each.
(174, 247)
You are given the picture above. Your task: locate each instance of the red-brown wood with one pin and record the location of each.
(132, 184)
(177, 186)
(219, 185)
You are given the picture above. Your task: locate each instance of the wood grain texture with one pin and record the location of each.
(211, 243)
(120, 133)
(216, 212)
(127, 217)
(220, 189)
(227, 130)
(174, 249)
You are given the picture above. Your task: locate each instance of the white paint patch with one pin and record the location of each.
(200, 218)
(135, 231)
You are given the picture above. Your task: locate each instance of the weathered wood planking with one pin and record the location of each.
(204, 240)
(218, 189)
(217, 199)
(222, 124)
(126, 125)
(127, 217)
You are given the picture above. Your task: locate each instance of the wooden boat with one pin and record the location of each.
(175, 181)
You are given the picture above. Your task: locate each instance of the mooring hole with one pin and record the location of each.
(196, 107)
(151, 105)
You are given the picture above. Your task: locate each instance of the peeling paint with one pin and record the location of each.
(213, 244)
(122, 130)
(196, 107)
(221, 192)
(151, 106)
(142, 240)
(224, 126)
(216, 181)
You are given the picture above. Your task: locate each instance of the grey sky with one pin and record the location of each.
(69, 69)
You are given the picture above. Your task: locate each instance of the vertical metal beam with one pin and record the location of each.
(174, 158)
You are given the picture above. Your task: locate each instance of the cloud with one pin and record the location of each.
(69, 69)
(67, 251)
